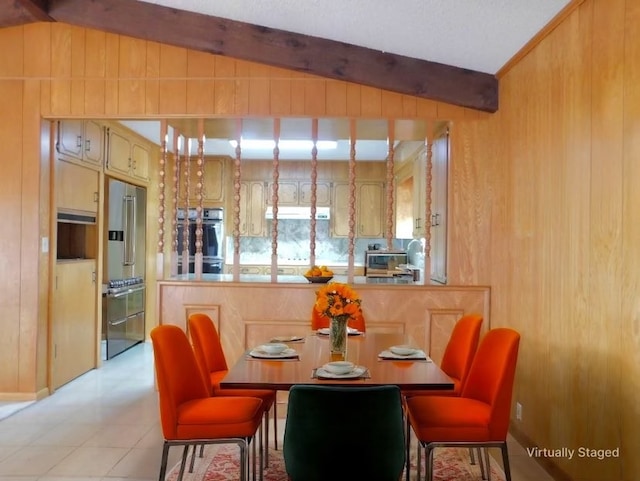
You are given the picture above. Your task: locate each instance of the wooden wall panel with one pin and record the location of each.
(11, 96)
(247, 323)
(12, 53)
(543, 193)
(627, 359)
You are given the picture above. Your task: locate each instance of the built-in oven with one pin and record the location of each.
(123, 314)
(212, 238)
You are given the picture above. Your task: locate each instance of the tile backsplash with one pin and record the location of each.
(293, 245)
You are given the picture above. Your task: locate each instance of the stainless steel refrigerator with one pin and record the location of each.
(124, 268)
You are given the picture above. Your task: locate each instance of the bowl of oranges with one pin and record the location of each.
(318, 275)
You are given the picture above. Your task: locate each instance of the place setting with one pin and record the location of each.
(340, 370)
(286, 339)
(325, 331)
(404, 352)
(275, 351)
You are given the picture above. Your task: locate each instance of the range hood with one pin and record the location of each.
(287, 212)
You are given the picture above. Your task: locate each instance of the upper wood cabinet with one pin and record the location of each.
(293, 192)
(439, 196)
(212, 182)
(127, 156)
(420, 222)
(76, 187)
(369, 214)
(252, 208)
(82, 140)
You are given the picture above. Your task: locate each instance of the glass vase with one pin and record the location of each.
(338, 338)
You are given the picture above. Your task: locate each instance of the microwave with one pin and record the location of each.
(379, 263)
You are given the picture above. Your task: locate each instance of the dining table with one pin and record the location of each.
(306, 356)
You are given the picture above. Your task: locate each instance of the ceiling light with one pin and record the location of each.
(284, 144)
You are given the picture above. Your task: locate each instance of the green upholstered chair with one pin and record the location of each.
(344, 433)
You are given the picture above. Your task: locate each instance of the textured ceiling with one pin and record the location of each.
(480, 35)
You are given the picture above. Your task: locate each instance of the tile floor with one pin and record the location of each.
(104, 426)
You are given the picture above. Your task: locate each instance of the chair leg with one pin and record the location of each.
(253, 457)
(163, 462)
(472, 457)
(183, 463)
(244, 475)
(429, 462)
(505, 461)
(193, 458)
(483, 473)
(266, 437)
(419, 460)
(487, 466)
(275, 422)
(408, 448)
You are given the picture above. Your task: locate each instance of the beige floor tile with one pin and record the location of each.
(89, 461)
(34, 460)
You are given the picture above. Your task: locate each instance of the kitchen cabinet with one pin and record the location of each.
(74, 323)
(81, 140)
(127, 156)
(439, 196)
(252, 208)
(420, 223)
(76, 188)
(291, 192)
(370, 209)
(323, 194)
(212, 182)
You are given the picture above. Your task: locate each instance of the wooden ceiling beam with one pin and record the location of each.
(279, 48)
(19, 12)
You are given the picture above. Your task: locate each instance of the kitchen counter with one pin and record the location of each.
(292, 279)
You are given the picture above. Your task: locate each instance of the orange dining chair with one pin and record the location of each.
(456, 361)
(213, 364)
(189, 415)
(479, 417)
(319, 321)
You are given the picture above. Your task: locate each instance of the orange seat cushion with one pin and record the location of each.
(218, 417)
(446, 418)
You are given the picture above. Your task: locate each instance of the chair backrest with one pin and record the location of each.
(319, 320)
(206, 343)
(344, 432)
(461, 348)
(491, 377)
(177, 373)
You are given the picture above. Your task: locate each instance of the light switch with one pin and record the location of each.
(45, 245)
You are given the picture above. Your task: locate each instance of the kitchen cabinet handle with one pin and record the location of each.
(87, 145)
(79, 141)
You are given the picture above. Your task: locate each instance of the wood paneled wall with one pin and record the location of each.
(545, 209)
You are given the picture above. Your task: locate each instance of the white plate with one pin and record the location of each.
(419, 355)
(403, 350)
(287, 338)
(324, 331)
(357, 372)
(286, 354)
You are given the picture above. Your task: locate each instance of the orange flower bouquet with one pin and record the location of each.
(340, 303)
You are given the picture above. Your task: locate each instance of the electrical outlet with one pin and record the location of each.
(518, 411)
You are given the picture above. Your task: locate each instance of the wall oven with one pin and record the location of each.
(212, 239)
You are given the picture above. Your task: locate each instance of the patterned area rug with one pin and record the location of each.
(220, 463)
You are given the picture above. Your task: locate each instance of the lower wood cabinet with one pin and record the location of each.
(74, 324)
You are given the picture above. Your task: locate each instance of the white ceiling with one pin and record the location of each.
(481, 35)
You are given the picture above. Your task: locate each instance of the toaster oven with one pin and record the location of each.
(379, 263)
